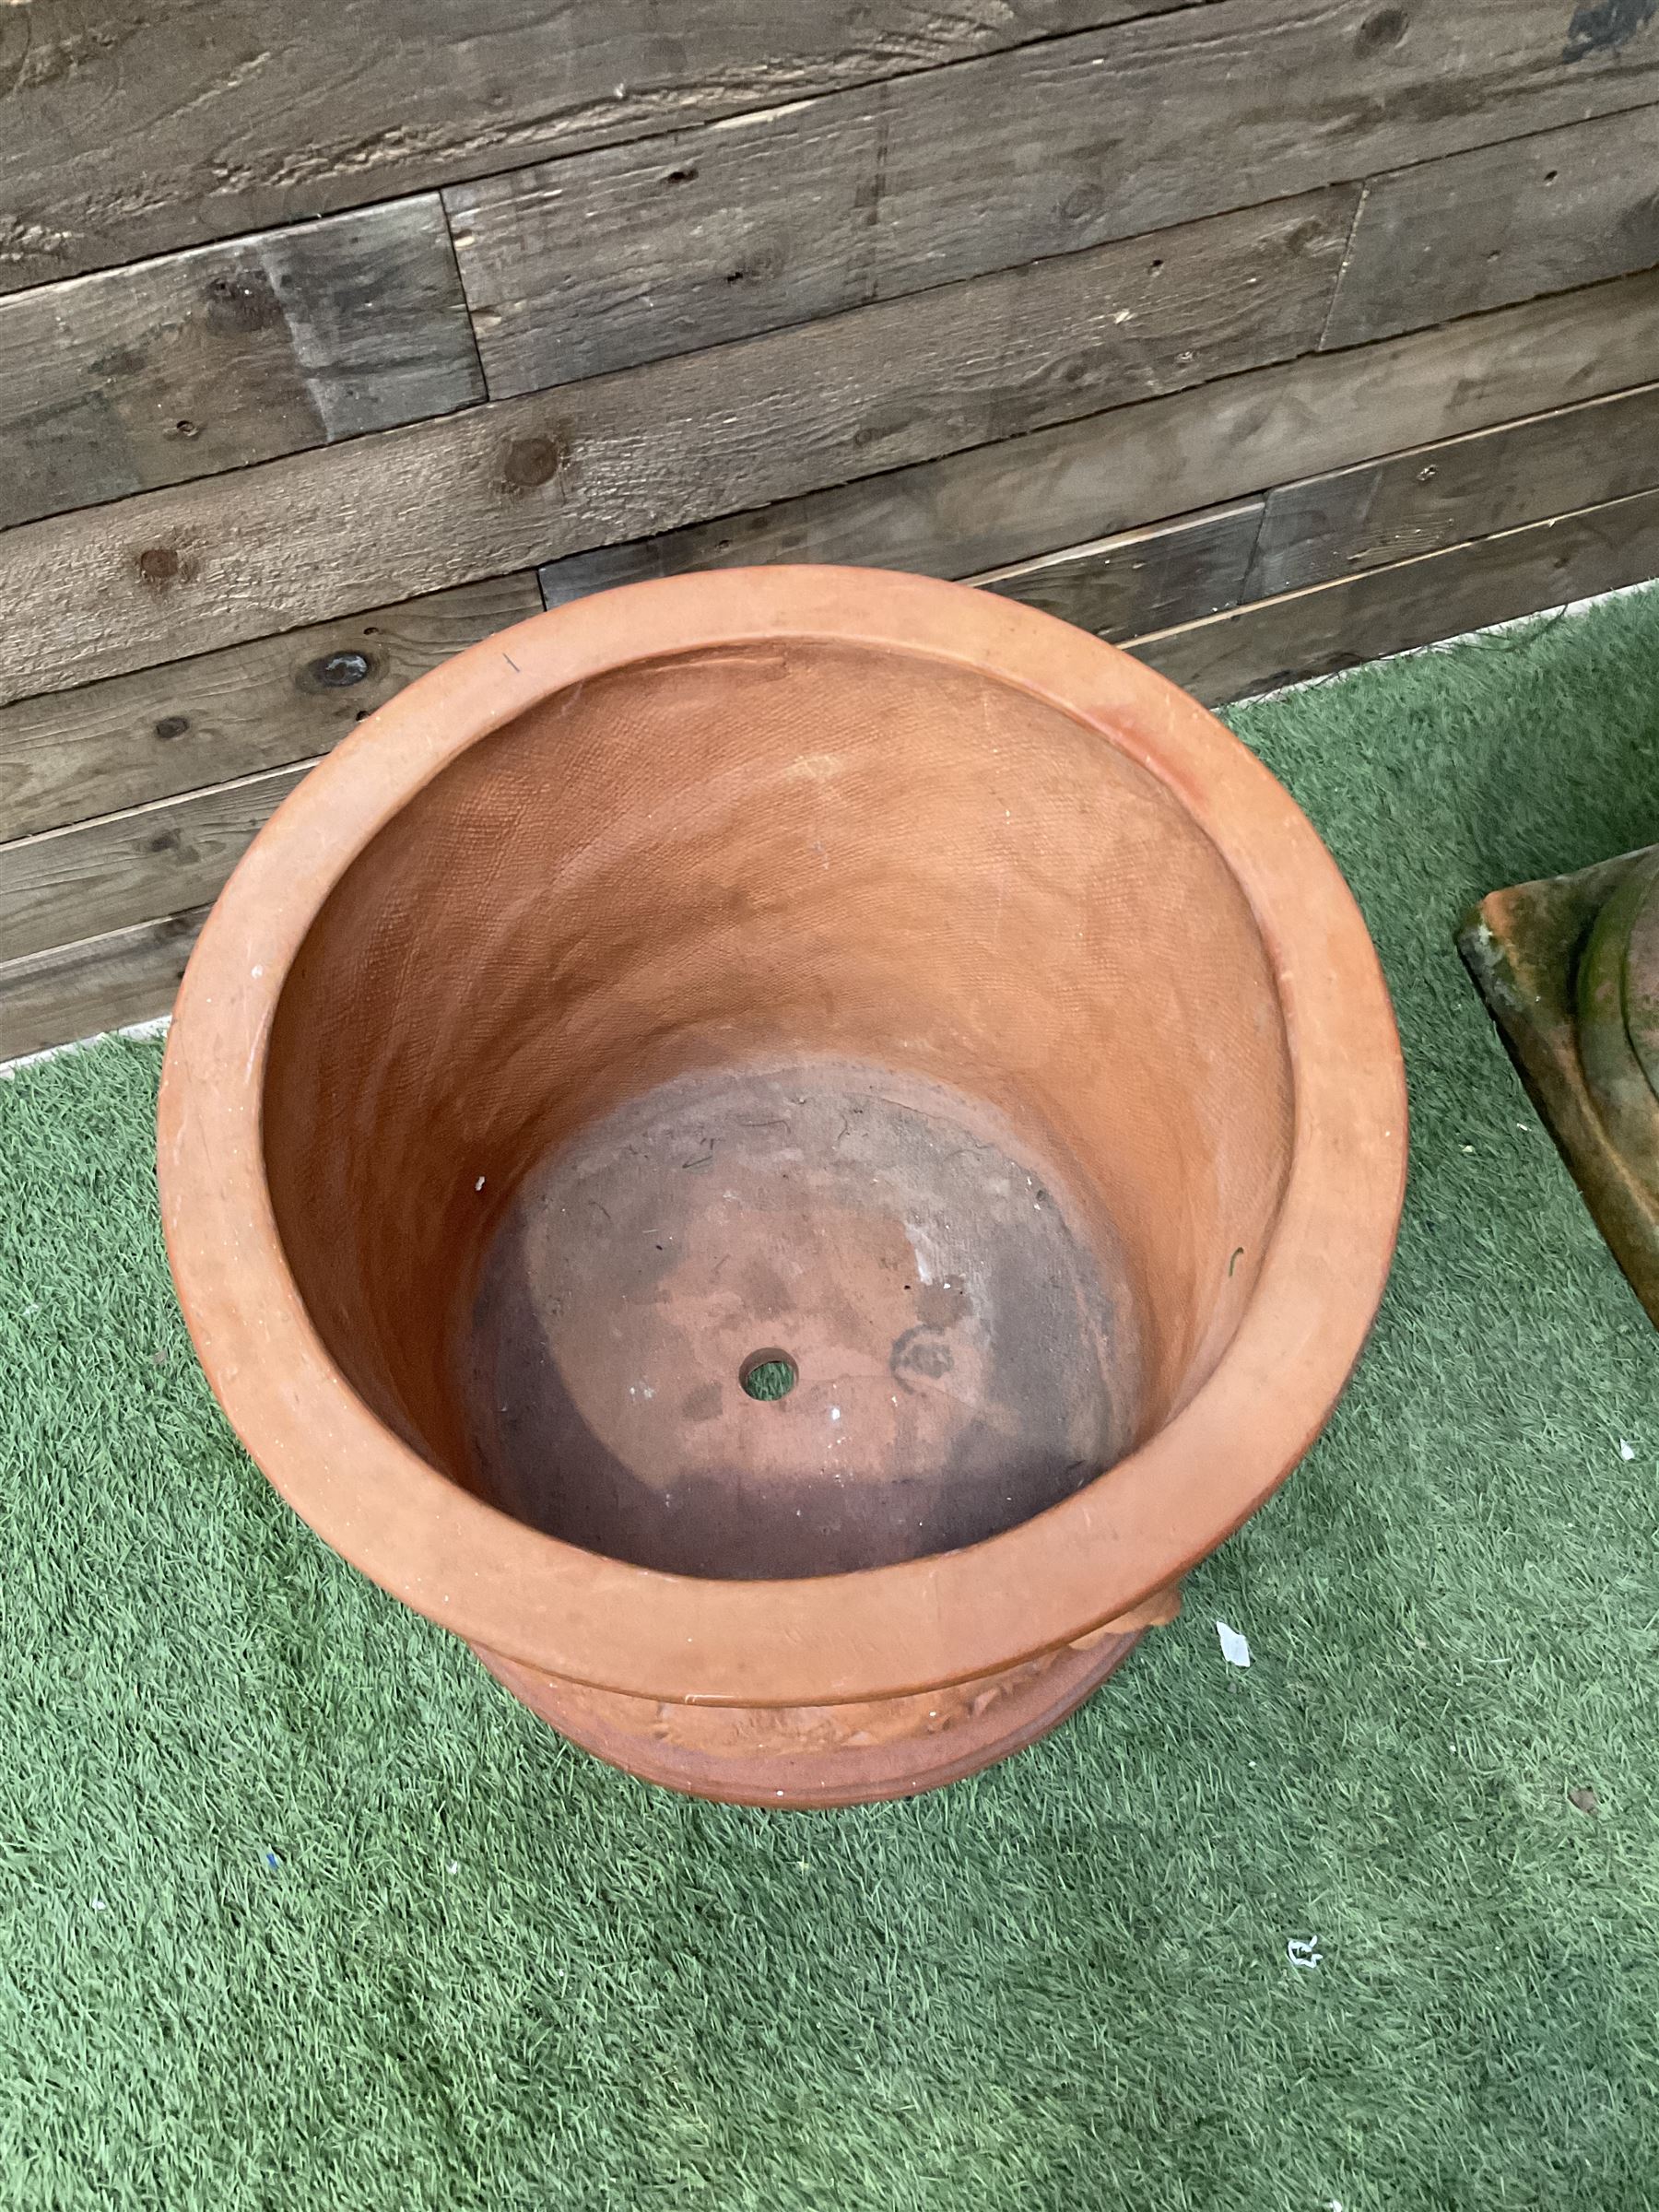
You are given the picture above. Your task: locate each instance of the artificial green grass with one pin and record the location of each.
(298, 1909)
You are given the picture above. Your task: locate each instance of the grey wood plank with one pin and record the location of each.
(1478, 230)
(1336, 626)
(1007, 502)
(1142, 580)
(209, 359)
(591, 262)
(578, 266)
(1441, 495)
(109, 874)
(128, 128)
(68, 755)
(1111, 134)
(105, 983)
(405, 512)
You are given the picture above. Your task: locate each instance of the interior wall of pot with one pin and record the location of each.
(779, 851)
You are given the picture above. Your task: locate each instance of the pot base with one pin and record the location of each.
(763, 1323)
(803, 1758)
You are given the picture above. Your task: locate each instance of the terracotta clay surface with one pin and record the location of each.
(848, 978)
(1570, 968)
(962, 1358)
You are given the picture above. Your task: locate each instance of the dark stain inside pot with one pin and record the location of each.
(955, 1358)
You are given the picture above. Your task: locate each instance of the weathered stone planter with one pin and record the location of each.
(809, 982)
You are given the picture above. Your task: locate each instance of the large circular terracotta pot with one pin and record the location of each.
(836, 986)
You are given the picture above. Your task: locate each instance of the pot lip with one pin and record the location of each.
(881, 1631)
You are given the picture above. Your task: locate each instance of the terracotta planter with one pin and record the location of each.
(854, 977)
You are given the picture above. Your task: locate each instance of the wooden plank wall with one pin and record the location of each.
(1259, 336)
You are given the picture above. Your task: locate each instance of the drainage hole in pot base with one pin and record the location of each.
(769, 1376)
(763, 1323)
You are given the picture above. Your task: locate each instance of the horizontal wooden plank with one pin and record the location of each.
(1541, 214)
(592, 263)
(106, 983)
(130, 868)
(1336, 626)
(68, 755)
(405, 512)
(1005, 502)
(1441, 495)
(50, 997)
(207, 361)
(128, 129)
(1327, 528)
(1168, 119)
(578, 266)
(1121, 587)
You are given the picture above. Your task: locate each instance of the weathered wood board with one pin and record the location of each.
(207, 360)
(129, 129)
(1121, 587)
(124, 868)
(1283, 640)
(226, 715)
(1541, 214)
(404, 511)
(1264, 334)
(1005, 502)
(1330, 528)
(98, 984)
(1442, 494)
(592, 262)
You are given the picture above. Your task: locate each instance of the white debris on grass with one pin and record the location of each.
(1235, 1649)
(1303, 1951)
(1626, 1450)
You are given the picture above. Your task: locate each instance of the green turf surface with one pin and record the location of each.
(299, 1909)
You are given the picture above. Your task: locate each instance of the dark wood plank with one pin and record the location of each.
(1172, 118)
(1004, 503)
(106, 983)
(1442, 494)
(578, 266)
(1121, 587)
(1540, 215)
(405, 512)
(68, 755)
(49, 996)
(128, 128)
(1336, 626)
(207, 361)
(130, 868)
(604, 259)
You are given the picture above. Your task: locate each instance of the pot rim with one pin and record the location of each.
(880, 1631)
